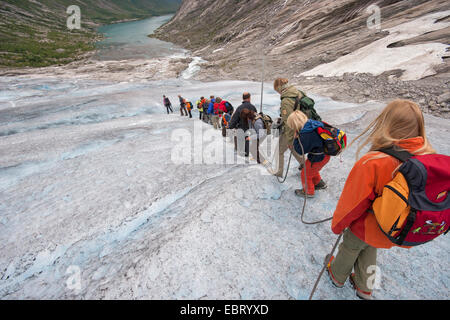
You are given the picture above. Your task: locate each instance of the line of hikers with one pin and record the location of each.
(185, 106)
(383, 203)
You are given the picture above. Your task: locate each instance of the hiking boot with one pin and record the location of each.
(321, 185)
(301, 193)
(335, 283)
(364, 295)
(278, 174)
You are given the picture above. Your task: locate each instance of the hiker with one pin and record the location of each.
(226, 107)
(226, 117)
(210, 111)
(400, 124)
(205, 111)
(223, 107)
(258, 133)
(217, 113)
(288, 95)
(236, 122)
(167, 104)
(200, 104)
(183, 111)
(188, 105)
(311, 144)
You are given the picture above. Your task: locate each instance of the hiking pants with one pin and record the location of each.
(282, 147)
(200, 117)
(190, 114)
(215, 121)
(183, 111)
(254, 150)
(169, 107)
(354, 254)
(312, 174)
(241, 144)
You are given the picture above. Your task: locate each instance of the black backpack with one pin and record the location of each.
(229, 107)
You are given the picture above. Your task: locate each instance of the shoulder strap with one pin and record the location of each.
(399, 153)
(297, 102)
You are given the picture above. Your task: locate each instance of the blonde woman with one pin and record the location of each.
(400, 124)
(308, 141)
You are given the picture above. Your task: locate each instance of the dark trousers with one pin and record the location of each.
(201, 115)
(246, 146)
(190, 114)
(183, 111)
(169, 107)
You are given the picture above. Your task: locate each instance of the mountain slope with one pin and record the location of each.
(34, 33)
(298, 36)
(304, 33)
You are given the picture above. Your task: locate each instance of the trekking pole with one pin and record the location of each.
(325, 265)
(262, 81)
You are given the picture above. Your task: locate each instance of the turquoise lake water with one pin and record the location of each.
(129, 40)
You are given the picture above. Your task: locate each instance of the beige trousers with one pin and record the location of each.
(283, 146)
(216, 122)
(355, 254)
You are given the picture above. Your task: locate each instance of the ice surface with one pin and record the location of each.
(87, 183)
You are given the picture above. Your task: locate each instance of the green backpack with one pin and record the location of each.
(307, 107)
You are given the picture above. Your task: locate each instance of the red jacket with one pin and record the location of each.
(220, 108)
(365, 183)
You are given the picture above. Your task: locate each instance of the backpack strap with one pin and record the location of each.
(409, 223)
(401, 154)
(297, 103)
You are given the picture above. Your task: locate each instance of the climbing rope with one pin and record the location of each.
(327, 261)
(306, 191)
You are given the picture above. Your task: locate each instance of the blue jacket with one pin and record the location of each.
(311, 141)
(211, 106)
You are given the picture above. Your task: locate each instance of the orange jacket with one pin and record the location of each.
(365, 183)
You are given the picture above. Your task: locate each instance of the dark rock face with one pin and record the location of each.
(297, 36)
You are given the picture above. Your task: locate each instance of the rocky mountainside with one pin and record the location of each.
(407, 53)
(35, 33)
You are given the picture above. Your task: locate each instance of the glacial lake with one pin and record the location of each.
(129, 40)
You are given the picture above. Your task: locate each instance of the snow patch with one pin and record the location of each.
(416, 60)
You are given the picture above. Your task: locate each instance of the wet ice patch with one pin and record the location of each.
(193, 68)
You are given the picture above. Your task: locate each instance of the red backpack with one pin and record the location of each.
(414, 207)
